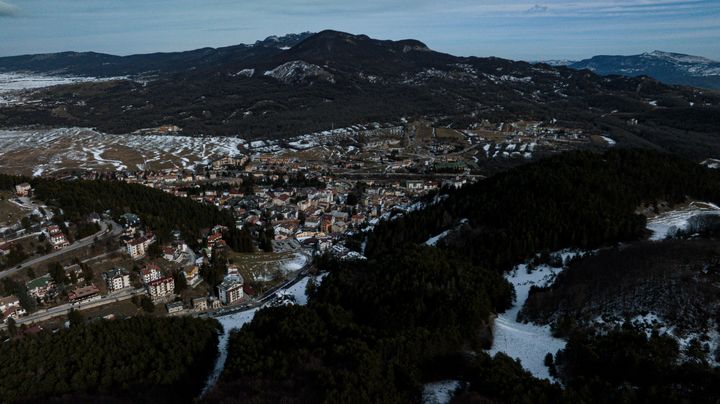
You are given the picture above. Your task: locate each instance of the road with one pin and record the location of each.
(104, 233)
(64, 309)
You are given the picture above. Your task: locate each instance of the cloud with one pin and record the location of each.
(7, 9)
(537, 9)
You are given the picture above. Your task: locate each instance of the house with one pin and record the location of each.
(9, 301)
(192, 276)
(213, 238)
(23, 189)
(39, 287)
(175, 307)
(117, 279)
(230, 290)
(4, 249)
(215, 303)
(414, 185)
(168, 253)
(232, 269)
(14, 312)
(339, 227)
(161, 289)
(200, 304)
(74, 270)
(84, 293)
(150, 273)
(57, 237)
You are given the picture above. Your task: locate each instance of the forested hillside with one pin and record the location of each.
(139, 359)
(161, 212)
(375, 331)
(370, 333)
(577, 199)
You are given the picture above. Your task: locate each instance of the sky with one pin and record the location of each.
(514, 29)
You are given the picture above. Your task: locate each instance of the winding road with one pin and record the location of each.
(104, 233)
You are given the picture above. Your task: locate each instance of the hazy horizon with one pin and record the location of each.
(520, 30)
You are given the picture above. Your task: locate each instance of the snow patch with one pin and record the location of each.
(440, 392)
(668, 223)
(529, 343)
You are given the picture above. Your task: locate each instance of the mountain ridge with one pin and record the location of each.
(667, 67)
(339, 79)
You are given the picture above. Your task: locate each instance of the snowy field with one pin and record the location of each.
(524, 341)
(46, 151)
(13, 85)
(666, 224)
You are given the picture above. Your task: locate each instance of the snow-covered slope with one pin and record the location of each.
(529, 343)
(299, 71)
(668, 223)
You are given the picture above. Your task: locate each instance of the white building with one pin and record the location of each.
(231, 289)
(150, 273)
(137, 248)
(23, 189)
(117, 279)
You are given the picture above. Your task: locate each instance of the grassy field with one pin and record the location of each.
(9, 212)
(449, 135)
(264, 267)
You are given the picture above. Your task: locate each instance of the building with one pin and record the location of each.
(175, 307)
(161, 289)
(230, 291)
(213, 239)
(84, 293)
(14, 312)
(117, 279)
(23, 189)
(200, 304)
(136, 248)
(150, 273)
(10, 307)
(57, 237)
(39, 287)
(215, 303)
(192, 276)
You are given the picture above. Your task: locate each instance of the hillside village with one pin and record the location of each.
(303, 198)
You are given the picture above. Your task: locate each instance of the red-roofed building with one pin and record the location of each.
(161, 289)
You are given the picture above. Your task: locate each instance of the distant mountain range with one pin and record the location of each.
(670, 68)
(105, 65)
(288, 86)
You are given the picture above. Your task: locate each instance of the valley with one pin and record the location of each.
(329, 217)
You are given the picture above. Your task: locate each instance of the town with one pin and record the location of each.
(299, 199)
